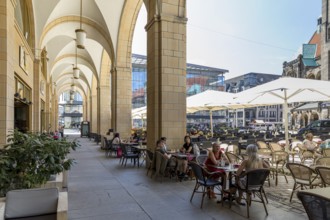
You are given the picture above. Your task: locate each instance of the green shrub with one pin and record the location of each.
(30, 159)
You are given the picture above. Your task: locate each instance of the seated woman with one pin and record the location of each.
(134, 138)
(187, 146)
(253, 162)
(310, 145)
(116, 139)
(212, 162)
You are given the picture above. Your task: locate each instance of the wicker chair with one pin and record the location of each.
(323, 161)
(233, 158)
(149, 160)
(305, 154)
(316, 206)
(324, 173)
(326, 152)
(303, 176)
(254, 181)
(275, 147)
(201, 159)
(263, 148)
(279, 159)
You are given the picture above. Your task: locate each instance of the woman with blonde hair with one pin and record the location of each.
(253, 162)
(212, 163)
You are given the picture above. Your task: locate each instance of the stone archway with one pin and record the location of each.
(121, 70)
(310, 76)
(314, 116)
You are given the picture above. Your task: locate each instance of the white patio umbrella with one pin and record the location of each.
(286, 90)
(211, 100)
(139, 113)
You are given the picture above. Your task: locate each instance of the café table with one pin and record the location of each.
(229, 169)
(180, 155)
(325, 192)
(142, 151)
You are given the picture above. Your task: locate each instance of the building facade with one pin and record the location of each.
(311, 64)
(242, 117)
(46, 43)
(198, 79)
(70, 109)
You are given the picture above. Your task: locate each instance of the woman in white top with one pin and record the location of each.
(116, 139)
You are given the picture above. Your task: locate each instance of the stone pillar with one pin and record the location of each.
(98, 115)
(93, 109)
(325, 40)
(105, 108)
(56, 111)
(7, 80)
(36, 98)
(121, 100)
(166, 69)
(48, 109)
(85, 110)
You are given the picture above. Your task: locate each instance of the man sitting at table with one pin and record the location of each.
(163, 139)
(161, 148)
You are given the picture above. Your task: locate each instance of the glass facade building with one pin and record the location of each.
(199, 79)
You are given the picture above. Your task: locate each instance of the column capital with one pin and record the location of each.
(164, 17)
(121, 69)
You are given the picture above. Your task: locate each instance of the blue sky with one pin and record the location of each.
(243, 35)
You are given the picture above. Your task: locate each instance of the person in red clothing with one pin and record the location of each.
(212, 163)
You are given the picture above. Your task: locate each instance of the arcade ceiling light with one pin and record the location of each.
(80, 33)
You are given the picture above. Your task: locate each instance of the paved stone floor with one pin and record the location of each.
(99, 188)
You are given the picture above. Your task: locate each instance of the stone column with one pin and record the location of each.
(36, 98)
(121, 100)
(7, 80)
(93, 108)
(166, 70)
(85, 110)
(48, 109)
(105, 108)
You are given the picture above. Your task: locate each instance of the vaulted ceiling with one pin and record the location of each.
(55, 24)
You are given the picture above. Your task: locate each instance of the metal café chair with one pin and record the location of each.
(251, 183)
(316, 206)
(204, 182)
(303, 176)
(324, 173)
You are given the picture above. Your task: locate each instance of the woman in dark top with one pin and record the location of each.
(187, 146)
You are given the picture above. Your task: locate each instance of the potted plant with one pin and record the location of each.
(30, 159)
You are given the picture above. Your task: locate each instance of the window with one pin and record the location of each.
(325, 124)
(23, 90)
(22, 19)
